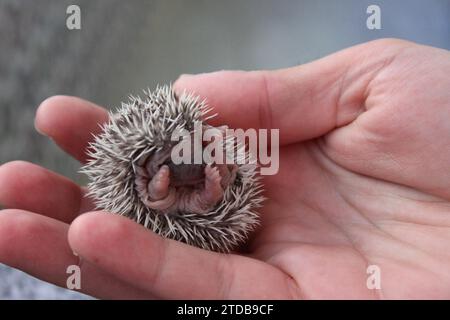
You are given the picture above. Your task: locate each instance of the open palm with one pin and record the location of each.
(364, 180)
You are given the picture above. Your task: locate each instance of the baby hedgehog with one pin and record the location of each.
(132, 172)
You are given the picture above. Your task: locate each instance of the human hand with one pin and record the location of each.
(364, 180)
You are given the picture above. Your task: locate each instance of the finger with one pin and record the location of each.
(303, 102)
(38, 246)
(70, 122)
(30, 187)
(170, 269)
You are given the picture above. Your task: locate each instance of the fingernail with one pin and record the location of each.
(36, 127)
(39, 131)
(36, 117)
(188, 76)
(182, 77)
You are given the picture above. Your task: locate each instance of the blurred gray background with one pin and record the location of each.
(125, 46)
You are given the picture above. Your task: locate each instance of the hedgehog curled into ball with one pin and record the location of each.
(132, 172)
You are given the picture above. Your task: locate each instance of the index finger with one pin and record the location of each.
(70, 122)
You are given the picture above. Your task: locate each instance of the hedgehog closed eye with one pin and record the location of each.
(210, 205)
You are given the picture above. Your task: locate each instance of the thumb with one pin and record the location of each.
(304, 102)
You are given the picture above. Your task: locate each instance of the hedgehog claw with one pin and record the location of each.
(213, 192)
(228, 174)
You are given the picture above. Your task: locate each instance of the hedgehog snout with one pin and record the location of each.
(186, 174)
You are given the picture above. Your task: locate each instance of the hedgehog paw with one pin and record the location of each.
(160, 196)
(213, 192)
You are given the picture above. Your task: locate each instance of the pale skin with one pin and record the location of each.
(364, 180)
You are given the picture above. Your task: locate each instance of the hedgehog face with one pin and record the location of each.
(180, 174)
(186, 174)
(172, 188)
